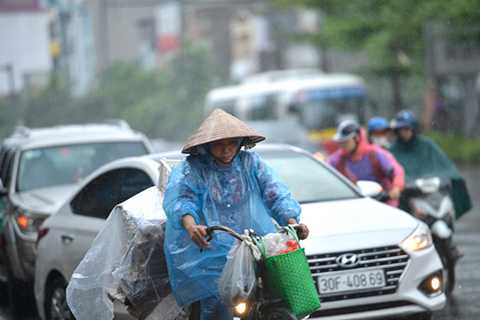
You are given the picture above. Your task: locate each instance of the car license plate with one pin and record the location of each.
(351, 281)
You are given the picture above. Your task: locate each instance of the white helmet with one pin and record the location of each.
(346, 130)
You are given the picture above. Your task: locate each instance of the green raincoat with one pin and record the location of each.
(421, 157)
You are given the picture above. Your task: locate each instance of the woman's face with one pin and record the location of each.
(224, 149)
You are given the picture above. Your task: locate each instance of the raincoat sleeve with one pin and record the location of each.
(398, 173)
(446, 167)
(182, 195)
(276, 193)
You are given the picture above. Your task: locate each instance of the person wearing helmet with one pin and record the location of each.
(219, 183)
(420, 156)
(359, 160)
(377, 130)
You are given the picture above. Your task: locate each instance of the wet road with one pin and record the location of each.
(465, 302)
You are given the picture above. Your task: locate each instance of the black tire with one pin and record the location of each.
(21, 302)
(194, 310)
(450, 278)
(278, 313)
(3, 294)
(56, 307)
(444, 248)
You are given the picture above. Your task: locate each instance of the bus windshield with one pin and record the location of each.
(323, 114)
(317, 102)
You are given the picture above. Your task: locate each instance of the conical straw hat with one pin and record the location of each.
(221, 125)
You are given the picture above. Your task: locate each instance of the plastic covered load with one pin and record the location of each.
(126, 262)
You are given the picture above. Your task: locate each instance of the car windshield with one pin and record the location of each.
(309, 181)
(69, 164)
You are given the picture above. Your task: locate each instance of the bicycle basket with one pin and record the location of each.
(289, 277)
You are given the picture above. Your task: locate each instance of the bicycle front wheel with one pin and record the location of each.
(278, 313)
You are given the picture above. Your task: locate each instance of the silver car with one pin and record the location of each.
(39, 168)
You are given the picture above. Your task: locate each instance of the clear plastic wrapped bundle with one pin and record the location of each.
(126, 262)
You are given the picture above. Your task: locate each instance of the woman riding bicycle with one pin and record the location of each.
(219, 184)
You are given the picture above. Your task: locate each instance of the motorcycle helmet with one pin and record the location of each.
(377, 123)
(406, 119)
(346, 130)
(377, 129)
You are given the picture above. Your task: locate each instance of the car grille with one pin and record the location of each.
(391, 259)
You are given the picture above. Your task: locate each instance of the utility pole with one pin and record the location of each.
(8, 68)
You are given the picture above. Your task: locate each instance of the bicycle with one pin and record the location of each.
(261, 305)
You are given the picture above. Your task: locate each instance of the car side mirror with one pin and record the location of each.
(369, 188)
(3, 190)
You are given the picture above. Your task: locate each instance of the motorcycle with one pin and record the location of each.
(429, 200)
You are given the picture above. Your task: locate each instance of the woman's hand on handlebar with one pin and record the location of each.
(196, 232)
(303, 232)
(198, 235)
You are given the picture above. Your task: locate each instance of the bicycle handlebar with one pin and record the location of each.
(210, 231)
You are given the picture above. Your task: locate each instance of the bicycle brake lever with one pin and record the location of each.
(209, 238)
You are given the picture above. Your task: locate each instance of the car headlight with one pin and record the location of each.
(28, 222)
(420, 239)
(241, 307)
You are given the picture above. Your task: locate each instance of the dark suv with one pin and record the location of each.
(39, 168)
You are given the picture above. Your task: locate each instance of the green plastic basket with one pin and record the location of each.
(289, 278)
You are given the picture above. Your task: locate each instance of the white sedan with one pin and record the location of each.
(368, 260)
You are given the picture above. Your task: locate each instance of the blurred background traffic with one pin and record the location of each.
(152, 62)
(293, 70)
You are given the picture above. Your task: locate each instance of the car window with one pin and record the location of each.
(7, 164)
(69, 164)
(3, 160)
(103, 193)
(309, 181)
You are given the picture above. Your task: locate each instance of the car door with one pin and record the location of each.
(92, 205)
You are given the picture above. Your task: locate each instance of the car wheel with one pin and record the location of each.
(3, 295)
(20, 294)
(56, 307)
(444, 248)
(194, 309)
(278, 313)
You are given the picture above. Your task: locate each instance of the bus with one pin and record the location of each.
(309, 98)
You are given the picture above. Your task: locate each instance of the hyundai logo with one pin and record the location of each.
(348, 260)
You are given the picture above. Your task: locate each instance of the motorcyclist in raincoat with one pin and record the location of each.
(377, 132)
(421, 157)
(377, 135)
(218, 184)
(359, 160)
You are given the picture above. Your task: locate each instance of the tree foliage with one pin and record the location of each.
(391, 31)
(163, 103)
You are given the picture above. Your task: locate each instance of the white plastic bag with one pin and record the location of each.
(275, 243)
(238, 281)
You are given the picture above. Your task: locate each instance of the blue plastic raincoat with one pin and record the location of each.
(245, 195)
